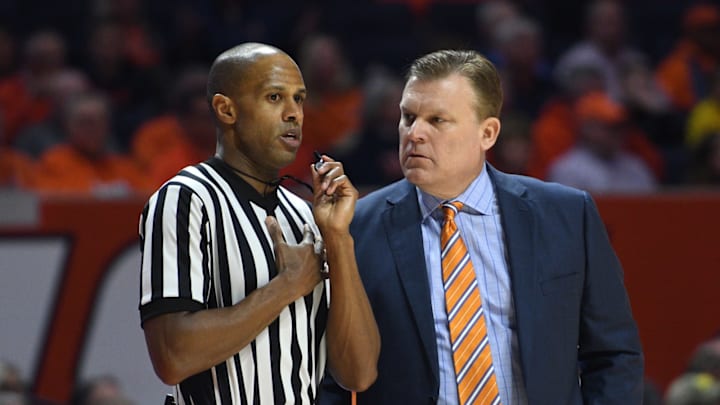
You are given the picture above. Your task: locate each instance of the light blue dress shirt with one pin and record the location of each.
(481, 229)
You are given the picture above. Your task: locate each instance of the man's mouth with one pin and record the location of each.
(292, 134)
(292, 138)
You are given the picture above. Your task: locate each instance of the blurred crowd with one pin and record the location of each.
(99, 390)
(107, 97)
(698, 384)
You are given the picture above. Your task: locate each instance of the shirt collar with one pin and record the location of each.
(478, 197)
(269, 202)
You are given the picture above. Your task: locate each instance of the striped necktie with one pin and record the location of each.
(474, 371)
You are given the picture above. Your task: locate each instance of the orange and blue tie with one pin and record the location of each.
(474, 372)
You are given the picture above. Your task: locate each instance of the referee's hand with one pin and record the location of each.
(335, 197)
(300, 264)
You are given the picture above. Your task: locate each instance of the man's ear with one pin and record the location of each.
(224, 109)
(489, 131)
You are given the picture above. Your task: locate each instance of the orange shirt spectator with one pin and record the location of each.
(83, 164)
(15, 168)
(332, 118)
(175, 159)
(334, 103)
(25, 97)
(163, 146)
(65, 170)
(677, 73)
(157, 136)
(20, 106)
(686, 72)
(326, 124)
(166, 144)
(554, 133)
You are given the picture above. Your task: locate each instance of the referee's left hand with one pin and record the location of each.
(299, 264)
(335, 196)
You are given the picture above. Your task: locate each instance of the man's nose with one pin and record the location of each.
(293, 112)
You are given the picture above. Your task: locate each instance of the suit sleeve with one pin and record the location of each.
(610, 354)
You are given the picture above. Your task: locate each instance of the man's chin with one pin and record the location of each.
(418, 177)
(286, 158)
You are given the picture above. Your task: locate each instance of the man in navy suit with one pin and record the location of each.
(557, 315)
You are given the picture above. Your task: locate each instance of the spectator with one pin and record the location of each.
(12, 398)
(103, 390)
(694, 389)
(37, 138)
(525, 76)
(489, 15)
(332, 109)
(649, 109)
(139, 44)
(706, 358)
(598, 162)
(704, 118)
(705, 163)
(24, 96)
(15, 168)
(511, 152)
(605, 46)
(12, 387)
(10, 378)
(8, 57)
(185, 39)
(651, 393)
(646, 102)
(84, 164)
(186, 135)
(686, 72)
(334, 98)
(373, 161)
(132, 90)
(554, 132)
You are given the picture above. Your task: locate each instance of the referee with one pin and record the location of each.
(235, 305)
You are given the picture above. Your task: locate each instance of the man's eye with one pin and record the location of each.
(437, 120)
(408, 118)
(299, 99)
(274, 97)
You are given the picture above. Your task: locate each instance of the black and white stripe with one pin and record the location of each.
(204, 245)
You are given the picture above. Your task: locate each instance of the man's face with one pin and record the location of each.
(607, 25)
(88, 127)
(605, 139)
(442, 147)
(269, 106)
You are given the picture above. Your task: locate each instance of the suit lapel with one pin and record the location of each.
(518, 227)
(402, 224)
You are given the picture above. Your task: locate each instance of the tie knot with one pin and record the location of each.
(450, 209)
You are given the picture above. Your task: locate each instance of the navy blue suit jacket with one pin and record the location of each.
(578, 341)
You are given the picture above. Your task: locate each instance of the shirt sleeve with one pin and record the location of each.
(175, 249)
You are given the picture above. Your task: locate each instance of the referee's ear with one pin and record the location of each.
(224, 109)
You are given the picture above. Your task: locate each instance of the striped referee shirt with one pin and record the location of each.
(204, 245)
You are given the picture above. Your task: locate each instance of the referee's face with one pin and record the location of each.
(268, 129)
